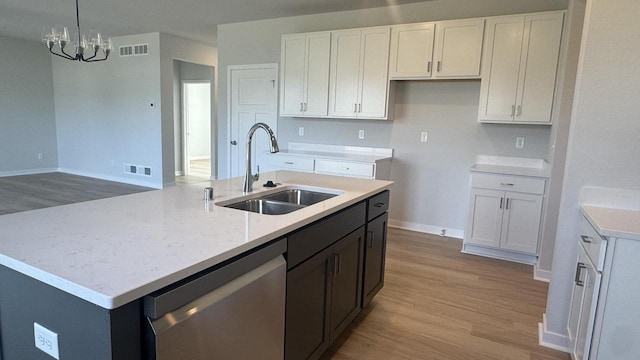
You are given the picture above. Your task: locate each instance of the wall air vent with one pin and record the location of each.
(137, 170)
(134, 50)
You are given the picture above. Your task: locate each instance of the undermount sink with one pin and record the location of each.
(281, 202)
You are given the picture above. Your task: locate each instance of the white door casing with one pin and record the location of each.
(252, 98)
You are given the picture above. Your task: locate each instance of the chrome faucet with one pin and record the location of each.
(273, 148)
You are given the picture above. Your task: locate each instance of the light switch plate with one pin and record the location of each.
(424, 136)
(46, 340)
(300, 131)
(361, 134)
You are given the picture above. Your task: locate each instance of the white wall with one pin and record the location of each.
(104, 116)
(27, 116)
(438, 170)
(603, 144)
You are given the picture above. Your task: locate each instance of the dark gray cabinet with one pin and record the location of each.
(374, 258)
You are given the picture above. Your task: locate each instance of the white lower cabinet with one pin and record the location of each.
(504, 216)
(604, 318)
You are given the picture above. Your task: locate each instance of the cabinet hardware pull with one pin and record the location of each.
(439, 65)
(519, 112)
(507, 206)
(306, 107)
(337, 264)
(233, 142)
(579, 268)
(586, 239)
(355, 108)
(370, 239)
(506, 184)
(288, 162)
(379, 204)
(429, 66)
(513, 110)
(301, 107)
(501, 201)
(360, 107)
(344, 168)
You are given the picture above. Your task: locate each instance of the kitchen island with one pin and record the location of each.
(98, 259)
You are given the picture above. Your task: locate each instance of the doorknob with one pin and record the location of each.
(233, 142)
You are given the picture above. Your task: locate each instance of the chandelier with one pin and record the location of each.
(59, 35)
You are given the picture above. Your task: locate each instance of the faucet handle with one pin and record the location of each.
(256, 177)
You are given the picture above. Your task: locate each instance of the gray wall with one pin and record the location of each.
(104, 116)
(437, 170)
(603, 143)
(27, 116)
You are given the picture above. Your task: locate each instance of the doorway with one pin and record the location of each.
(196, 125)
(253, 98)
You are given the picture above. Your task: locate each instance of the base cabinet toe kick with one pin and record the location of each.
(287, 299)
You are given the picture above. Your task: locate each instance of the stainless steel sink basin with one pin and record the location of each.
(262, 206)
(299, 196)
(281, 202)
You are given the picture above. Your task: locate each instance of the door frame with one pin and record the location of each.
(185, 124)
(230, 68)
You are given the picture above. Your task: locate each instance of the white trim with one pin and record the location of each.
(500, 254)
(179, 173)
(270, 66)
(550, 339)
(541, 275)
(427, 229)
(28, 172)
(202, 157)
(111, 178)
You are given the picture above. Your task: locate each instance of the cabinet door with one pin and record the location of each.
(292, 74)
(307, 307)
(500, 68)
(458, 49)
(521, 222)
(538, 67)
(485, 217)
(316, 96)
(374, 67)
(589, 278)
(411, 51)
(374, 258)
(344, 74)
(347, 281)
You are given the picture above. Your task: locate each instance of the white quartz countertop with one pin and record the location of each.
(113, 251)
(611, 222)
(337, 152)
(511, 166)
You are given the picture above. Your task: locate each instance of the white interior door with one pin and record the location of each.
(253, 98)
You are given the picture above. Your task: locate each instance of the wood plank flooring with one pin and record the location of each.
(31, 192)
(438, 303)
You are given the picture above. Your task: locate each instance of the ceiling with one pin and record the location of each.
(192, 19)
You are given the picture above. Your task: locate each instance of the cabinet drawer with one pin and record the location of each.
(306, 242)
(345, 168)
(291, 162)
(508, 183)
(594, 245)
(378, 204)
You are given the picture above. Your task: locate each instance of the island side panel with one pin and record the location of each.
(85, 331)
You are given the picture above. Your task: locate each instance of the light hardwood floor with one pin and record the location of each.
(438, 303)
(31, 192)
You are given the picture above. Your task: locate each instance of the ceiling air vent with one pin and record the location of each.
(134, 50)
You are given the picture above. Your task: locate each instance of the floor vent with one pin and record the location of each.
(134, 50)
(137, 170)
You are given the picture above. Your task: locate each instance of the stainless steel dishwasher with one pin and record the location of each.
(233, 312)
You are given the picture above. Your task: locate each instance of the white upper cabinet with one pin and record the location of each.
(305, 74)
(519, 68)
(445, 50)
(359, 86)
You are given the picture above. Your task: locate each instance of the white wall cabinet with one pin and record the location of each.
(441, 50)
(305, 74)
(359, 86)
(603, 318)
(519, 68)
(504, 216)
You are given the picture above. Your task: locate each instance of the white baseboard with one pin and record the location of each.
(203, 157)
(111, 178)
(179, 173)
(499, 254)
(541, 275)
(550, 339)
(427, 229)
(27, 172)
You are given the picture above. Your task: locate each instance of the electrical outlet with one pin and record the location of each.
(46, 340)
(361, 134)
(40, 156)
(424, 136)
(301, 131)
(519, 142)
